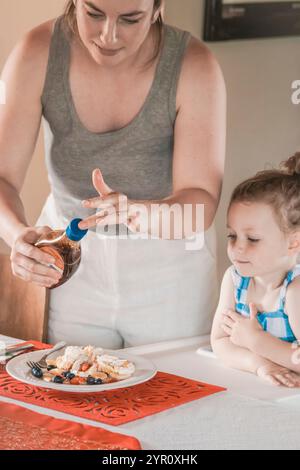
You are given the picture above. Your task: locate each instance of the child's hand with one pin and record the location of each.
(241, 330)
(278, 375)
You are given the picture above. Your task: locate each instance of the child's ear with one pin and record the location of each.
(294, 243)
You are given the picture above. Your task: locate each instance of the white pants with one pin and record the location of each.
(132, 292)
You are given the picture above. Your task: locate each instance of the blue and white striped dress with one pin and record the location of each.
(276, 323)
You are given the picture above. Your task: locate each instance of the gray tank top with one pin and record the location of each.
(135, 160)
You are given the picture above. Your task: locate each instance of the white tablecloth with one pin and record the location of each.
(249, 415)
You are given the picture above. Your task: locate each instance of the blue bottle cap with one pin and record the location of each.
(73, 232)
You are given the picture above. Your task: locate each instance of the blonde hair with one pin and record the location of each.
(279, 188)
(70, 24)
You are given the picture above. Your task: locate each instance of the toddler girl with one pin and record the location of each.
(257, 322)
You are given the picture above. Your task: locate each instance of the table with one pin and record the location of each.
(249, 415)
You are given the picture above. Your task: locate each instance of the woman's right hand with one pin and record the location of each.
(278, 375)
(28, 262)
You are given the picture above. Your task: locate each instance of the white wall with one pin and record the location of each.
(263, 124)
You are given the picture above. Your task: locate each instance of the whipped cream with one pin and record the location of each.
(118, 366)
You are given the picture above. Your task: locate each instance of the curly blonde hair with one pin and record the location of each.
(279, 188)
(70, 24)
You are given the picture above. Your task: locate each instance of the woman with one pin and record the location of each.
(145, 103)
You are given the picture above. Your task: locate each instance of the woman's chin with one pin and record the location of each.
(104, 59)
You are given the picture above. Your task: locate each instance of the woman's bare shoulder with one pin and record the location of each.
(29, 57)
(200, 71)
(198, 58)
(36, 42)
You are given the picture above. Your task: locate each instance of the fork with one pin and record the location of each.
(42, 364)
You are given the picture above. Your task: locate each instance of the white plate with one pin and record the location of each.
(17, 368)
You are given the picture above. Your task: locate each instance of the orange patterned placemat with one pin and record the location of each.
(113, 407)
(22, 429)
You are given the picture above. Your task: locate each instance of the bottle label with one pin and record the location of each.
(59, 262)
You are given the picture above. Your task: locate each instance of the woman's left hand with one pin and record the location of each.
(114, 208)
(242, 331)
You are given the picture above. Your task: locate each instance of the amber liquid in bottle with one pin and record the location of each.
(64, 246)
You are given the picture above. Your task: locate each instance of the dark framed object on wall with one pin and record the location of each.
(233, 19)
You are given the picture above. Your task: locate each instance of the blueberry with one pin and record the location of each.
(37, 372)
(58, 379)
(69, 375)
(91, 380)
(98, 381)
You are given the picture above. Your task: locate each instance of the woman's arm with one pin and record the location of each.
(229, 354)
(23, 75)
(200, 132)
(20, 121)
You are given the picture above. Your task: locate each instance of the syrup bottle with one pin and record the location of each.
(64, 246)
